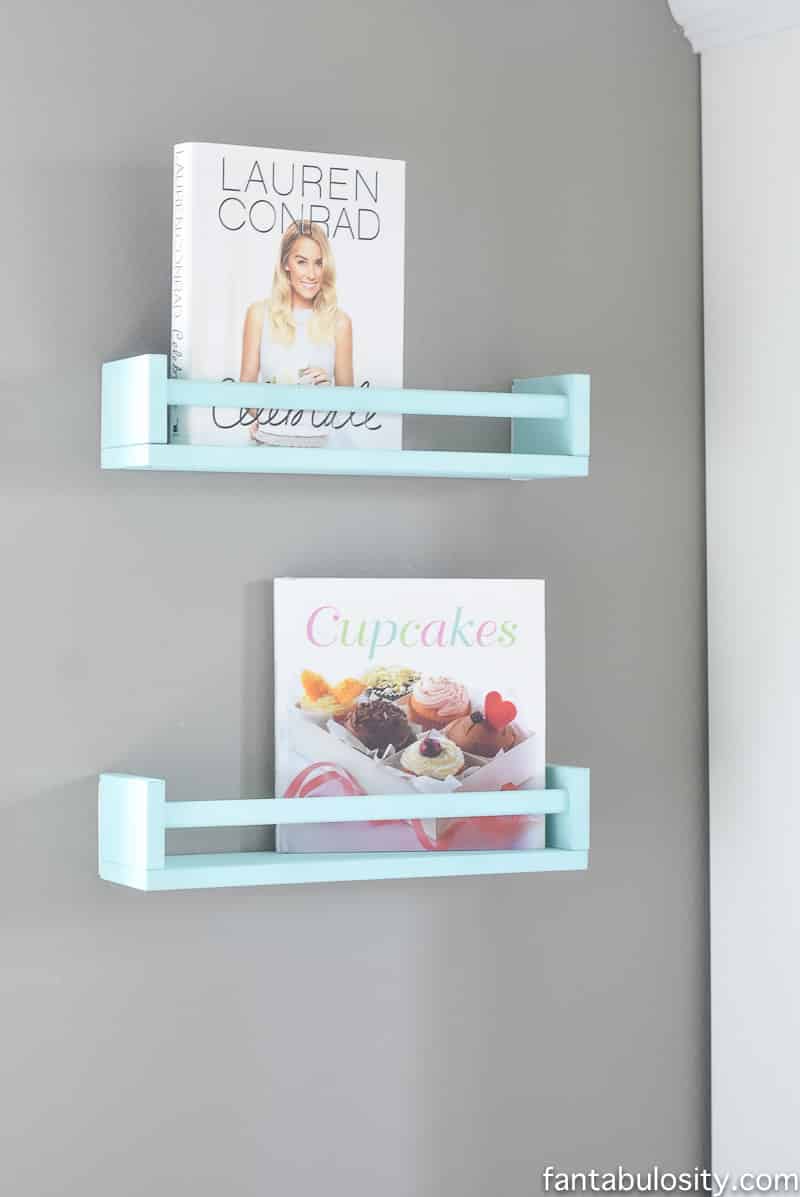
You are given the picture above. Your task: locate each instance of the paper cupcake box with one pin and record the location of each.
(409, 686)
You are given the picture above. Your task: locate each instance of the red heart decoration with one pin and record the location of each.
(498, 712)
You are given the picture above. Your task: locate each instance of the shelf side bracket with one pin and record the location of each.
(131, 827)
(569, 436)
(134, 402)
(570, 828)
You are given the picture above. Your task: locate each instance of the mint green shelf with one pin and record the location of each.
(134, 817)
(549, 437)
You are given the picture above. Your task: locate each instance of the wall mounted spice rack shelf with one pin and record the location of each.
(549, 422)
(134, 817)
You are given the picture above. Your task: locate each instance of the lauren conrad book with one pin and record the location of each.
(407, 686)
(287, 267)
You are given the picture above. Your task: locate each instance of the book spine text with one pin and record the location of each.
(180, 331)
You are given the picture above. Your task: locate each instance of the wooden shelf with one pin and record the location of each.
(134, 817)
(550, 427)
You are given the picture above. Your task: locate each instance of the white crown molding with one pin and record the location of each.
(711, 23)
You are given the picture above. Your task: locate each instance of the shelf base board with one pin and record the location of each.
(395, 463)
(285, 868)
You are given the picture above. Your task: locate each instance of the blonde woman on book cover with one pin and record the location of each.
(298, 336)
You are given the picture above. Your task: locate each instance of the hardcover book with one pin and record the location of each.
(409, 686)
(287, 268)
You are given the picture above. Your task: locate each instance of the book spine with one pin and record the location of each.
(180, 333)
(280, 593)
(180, 341)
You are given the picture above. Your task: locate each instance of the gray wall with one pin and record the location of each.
(447, 1037)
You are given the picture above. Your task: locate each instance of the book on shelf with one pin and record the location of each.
(409, 686)
(287, 267)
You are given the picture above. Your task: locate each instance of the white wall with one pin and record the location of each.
(751, 180)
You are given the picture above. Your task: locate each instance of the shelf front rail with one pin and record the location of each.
(134, 817)
(549, 426)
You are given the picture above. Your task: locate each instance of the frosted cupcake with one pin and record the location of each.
(379, 725)
(321, 702)
(474, 734)
(393, 683)
(436, 701)
(433, 756)
(487, 732)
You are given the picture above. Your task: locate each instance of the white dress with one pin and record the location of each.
(284, 364)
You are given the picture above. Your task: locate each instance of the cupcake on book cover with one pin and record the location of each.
(407, 686)
(288, 268)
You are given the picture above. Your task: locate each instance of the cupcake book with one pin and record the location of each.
(401, 686)
(287, 267)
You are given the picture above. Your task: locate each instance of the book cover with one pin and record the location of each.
(399, 686)
(287, 267)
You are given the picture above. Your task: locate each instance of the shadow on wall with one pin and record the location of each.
(48, 855)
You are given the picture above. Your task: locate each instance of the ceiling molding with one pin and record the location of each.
(711, 23)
